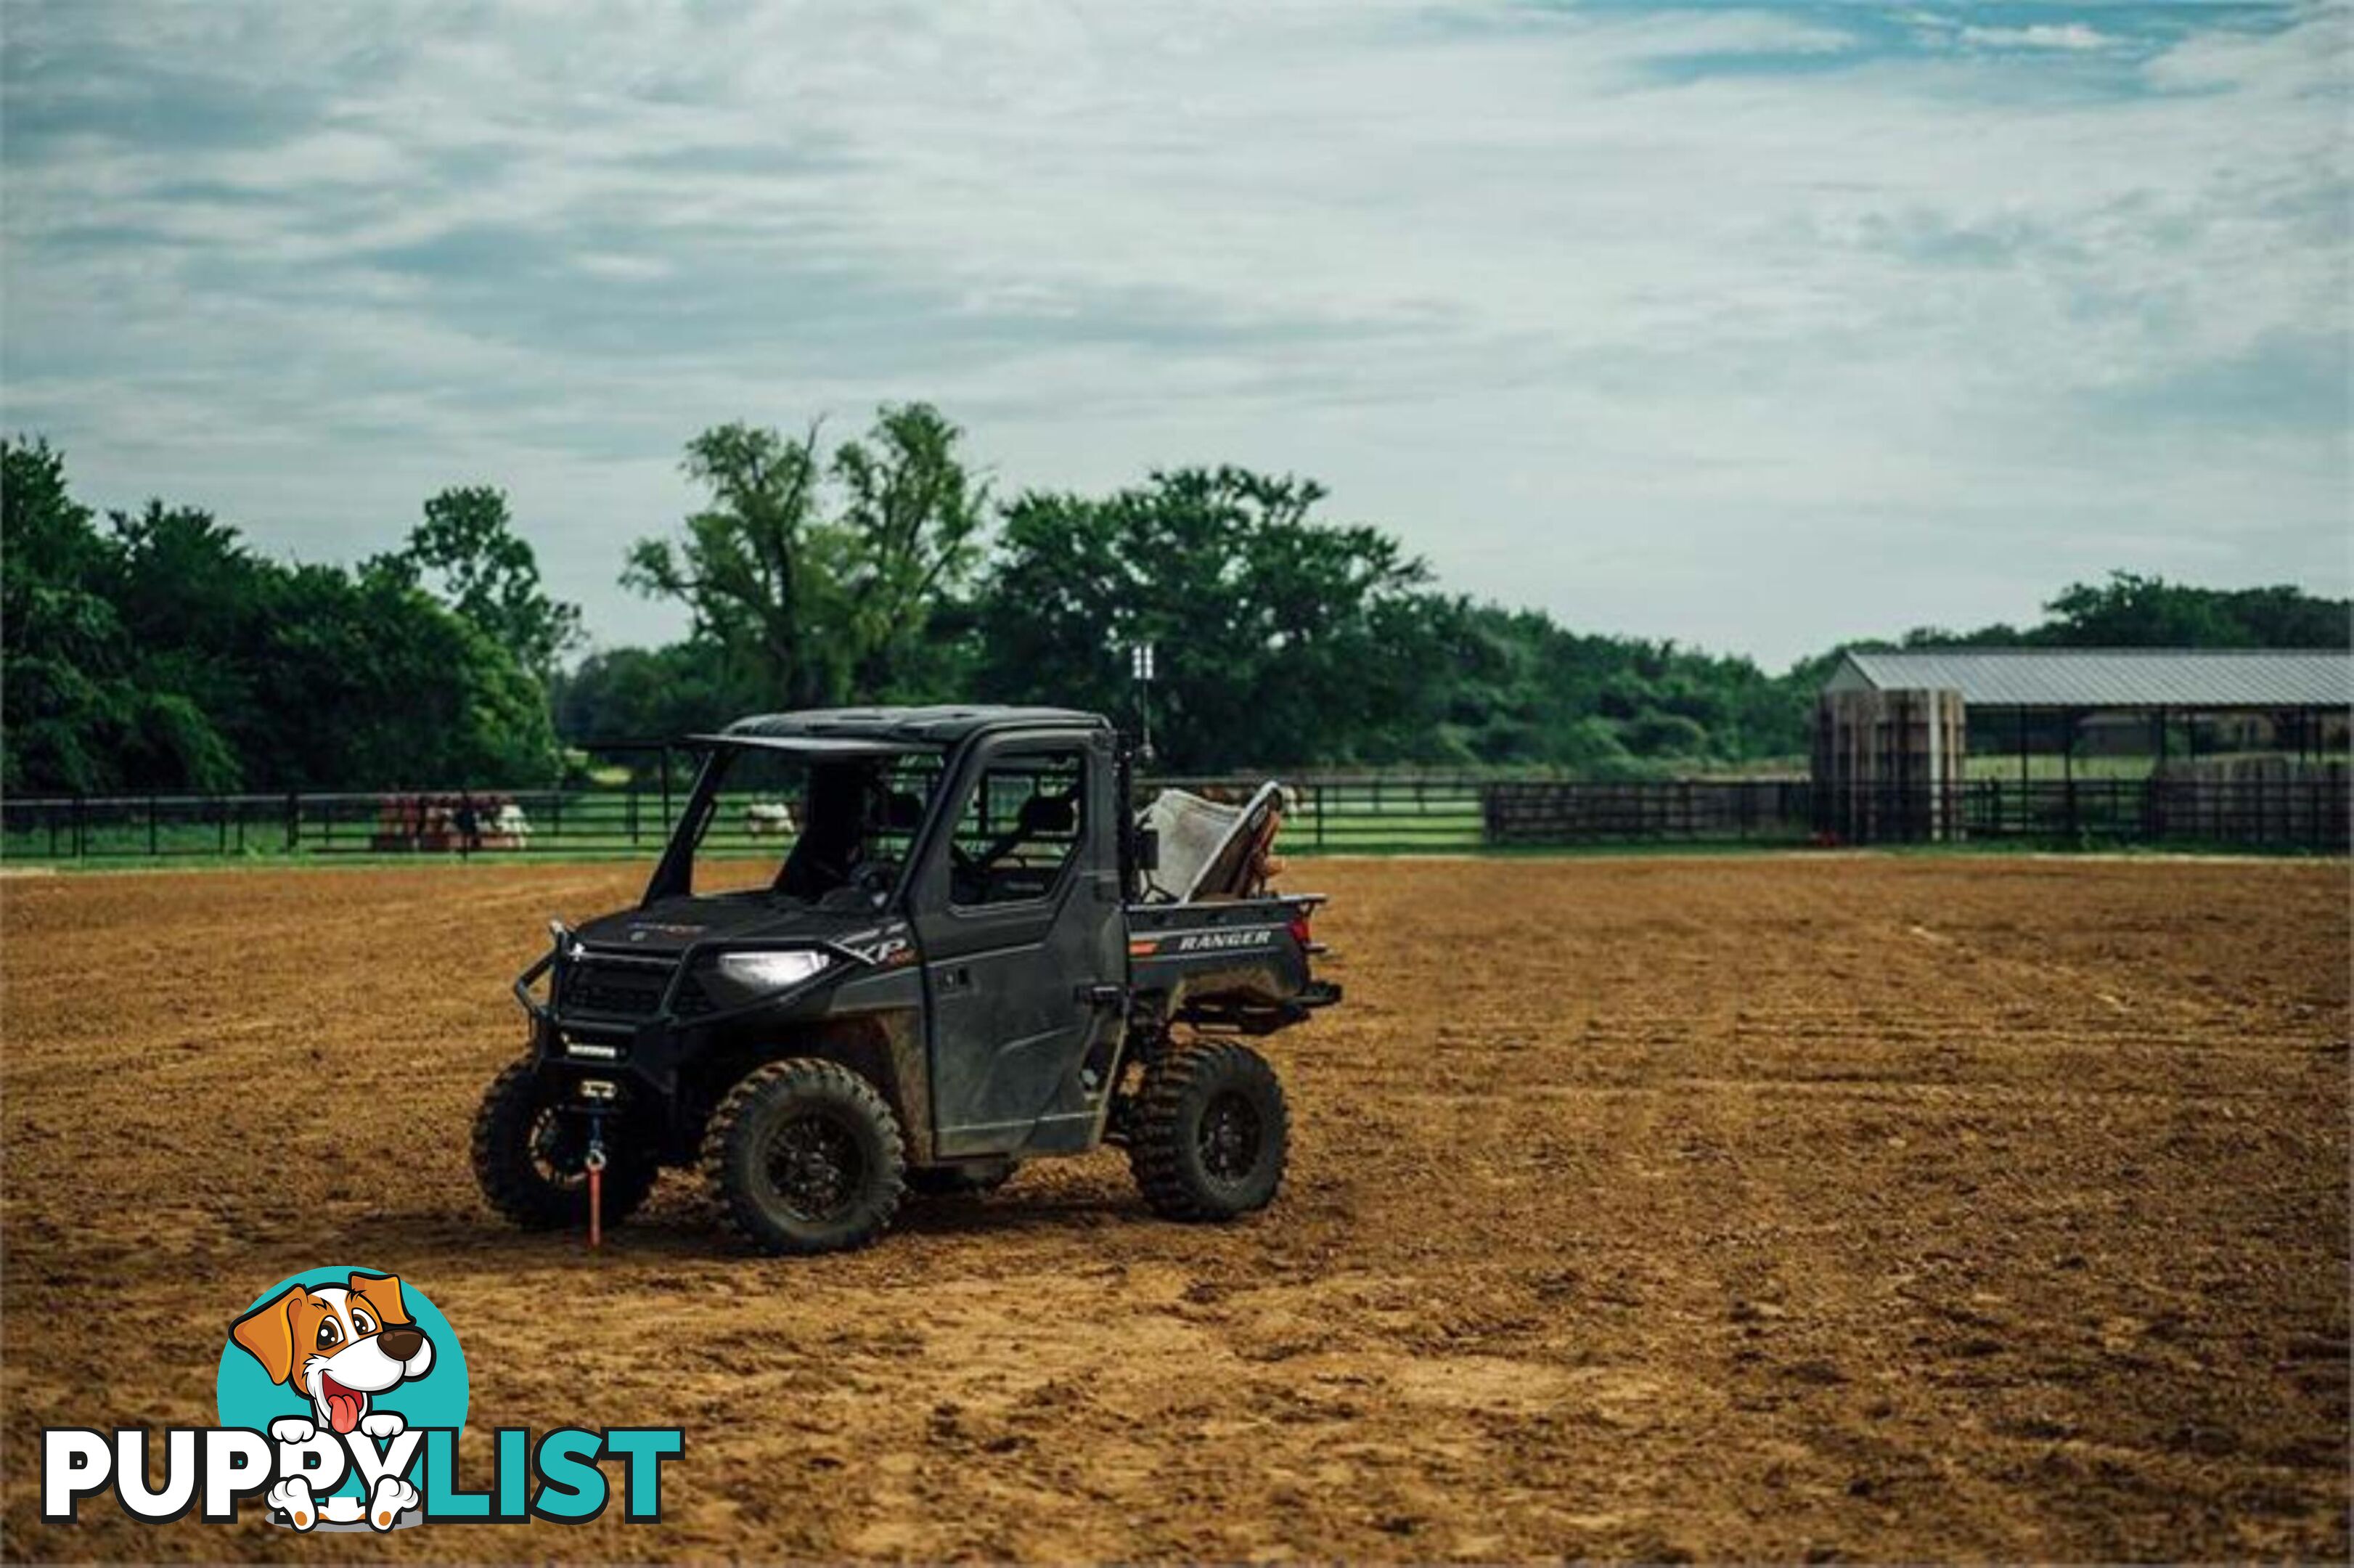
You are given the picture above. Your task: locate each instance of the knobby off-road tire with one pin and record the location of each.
(530, 1158)
(1209, 1133)
(804, 1156)
(961, 1180)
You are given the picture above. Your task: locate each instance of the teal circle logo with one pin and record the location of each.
(347, 1350)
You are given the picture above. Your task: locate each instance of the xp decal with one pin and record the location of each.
(341, 1392)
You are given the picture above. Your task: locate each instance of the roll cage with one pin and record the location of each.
(901, 806)
(674, 875)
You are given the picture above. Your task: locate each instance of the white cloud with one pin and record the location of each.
(1739, 326)
(2039, 36)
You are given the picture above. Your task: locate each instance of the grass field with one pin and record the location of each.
(1864, 1207)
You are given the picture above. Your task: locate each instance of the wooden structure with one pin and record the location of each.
(1888, 765)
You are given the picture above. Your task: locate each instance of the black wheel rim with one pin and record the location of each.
(815, 1167)
(1230, 1138)
(559, 1153)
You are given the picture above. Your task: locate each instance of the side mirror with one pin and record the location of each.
(1148, 849)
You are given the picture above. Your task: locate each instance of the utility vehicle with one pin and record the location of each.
(973, 955)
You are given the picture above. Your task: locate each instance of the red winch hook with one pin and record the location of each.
(595, 1161)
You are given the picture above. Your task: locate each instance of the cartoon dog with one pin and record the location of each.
(337, 1345)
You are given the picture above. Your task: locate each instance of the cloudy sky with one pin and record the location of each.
(1755, 327)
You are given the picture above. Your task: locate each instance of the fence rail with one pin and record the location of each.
(1691, 811)
(2295, 812)
(1366, 814)
(1370, 813)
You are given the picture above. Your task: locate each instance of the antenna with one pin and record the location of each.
(1140, 670)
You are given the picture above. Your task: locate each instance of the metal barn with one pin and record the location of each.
(1894, 732)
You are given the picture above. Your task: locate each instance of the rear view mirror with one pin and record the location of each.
(1148, 849)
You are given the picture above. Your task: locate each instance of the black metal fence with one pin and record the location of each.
(1537, 812)
(1370, 813)
(583, 821)
(2276, 812)
(1364, 813)
(1367, 814)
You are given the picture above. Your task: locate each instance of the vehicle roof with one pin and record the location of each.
(944, 725)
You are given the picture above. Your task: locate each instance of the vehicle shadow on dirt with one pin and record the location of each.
(679, 1226)
(1014, 1212)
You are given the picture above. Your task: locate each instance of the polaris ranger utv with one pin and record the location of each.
(973, 955)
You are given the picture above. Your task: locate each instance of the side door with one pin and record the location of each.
(1018, 920)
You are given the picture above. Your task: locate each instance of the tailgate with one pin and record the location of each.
(1242, 962)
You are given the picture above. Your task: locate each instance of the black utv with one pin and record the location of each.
(974, 954)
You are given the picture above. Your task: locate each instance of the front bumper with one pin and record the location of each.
(637, 1016)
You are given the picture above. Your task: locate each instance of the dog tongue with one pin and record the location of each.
(343, 1409)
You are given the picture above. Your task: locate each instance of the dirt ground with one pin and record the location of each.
(1770, 1208)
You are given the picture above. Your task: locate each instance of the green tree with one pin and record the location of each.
(1280, 639)
(907, 536)
(490, 576)
(77, 714)
(654, 693)
(742, 571)
(160, 653)
(2134, 611)
(373, 684)
(1618, 706)
(824, 575)
(198, 598)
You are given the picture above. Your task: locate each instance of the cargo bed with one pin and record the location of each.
(1240, 963)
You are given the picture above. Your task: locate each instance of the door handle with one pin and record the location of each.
(1101, 995)
(956, 979)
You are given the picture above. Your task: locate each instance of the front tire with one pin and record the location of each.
(1210, 1133)
(804, 1156)
(531, 1157)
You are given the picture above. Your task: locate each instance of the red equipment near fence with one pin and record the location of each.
(449, 825)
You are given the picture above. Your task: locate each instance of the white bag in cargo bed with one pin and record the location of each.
(1203, 844)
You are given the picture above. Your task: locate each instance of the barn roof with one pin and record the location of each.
(2109, 677)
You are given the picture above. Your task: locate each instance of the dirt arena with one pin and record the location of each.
(1767, 1208)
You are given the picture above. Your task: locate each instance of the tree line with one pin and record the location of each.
(155, 650)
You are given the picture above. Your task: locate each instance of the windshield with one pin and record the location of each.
(832, 831)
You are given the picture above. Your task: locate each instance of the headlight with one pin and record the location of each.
(771, 971)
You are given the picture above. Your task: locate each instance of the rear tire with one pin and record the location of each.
(804, 1156)
(530, 1157)
(1209, 1133)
